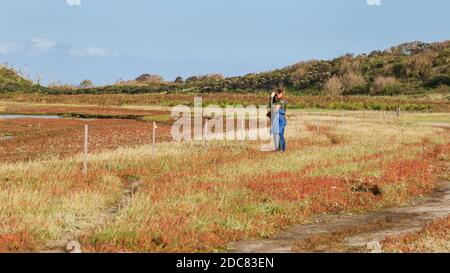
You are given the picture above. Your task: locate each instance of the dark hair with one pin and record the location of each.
(275, 99)
(280, 90)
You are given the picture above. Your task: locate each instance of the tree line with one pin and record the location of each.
(410, 68)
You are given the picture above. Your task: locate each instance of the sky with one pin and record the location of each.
(107, 40)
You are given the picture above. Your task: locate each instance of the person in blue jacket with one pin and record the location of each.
(279, 122)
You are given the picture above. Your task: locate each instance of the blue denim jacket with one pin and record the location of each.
(279, 122)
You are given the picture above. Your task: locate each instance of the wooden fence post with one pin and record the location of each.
(318, 126)
(154, 139)
(243, 130)
(85, 155)
(206, 134)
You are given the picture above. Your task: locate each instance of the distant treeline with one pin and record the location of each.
(411, 68)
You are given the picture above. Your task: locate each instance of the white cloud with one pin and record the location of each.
(93, 51)
(73, 2)
(374, 2)
(42, 44)
(38, 46)
(7, 48)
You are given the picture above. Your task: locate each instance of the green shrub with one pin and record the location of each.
(435, 81)
(399, 70)
(393, 89)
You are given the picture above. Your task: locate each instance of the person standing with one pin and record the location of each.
(281, 101)
(279, 121)
(272, 102)
(271, 115)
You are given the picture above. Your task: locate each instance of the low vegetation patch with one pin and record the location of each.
(434, 238)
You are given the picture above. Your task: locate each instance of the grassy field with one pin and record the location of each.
(198, 200)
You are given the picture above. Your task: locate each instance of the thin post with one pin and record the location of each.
(85, 156)
(154, 139)
(243, 130)
(206, 133)
(318, 126)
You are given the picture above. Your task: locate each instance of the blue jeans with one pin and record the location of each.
(282, 140)
(276, 142)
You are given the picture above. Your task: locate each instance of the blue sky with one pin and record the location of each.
(104, 40)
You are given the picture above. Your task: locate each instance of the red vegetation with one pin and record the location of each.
(32, 138)
(17, 242)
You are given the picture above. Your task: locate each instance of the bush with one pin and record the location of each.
(86, 84)
(399, 70)
(438, 80)
(149, 79)
(334, 86)
(415, 107)
(382, 84)
(179, 80)
(354, 83)
(421, 64)
(357, 90)
(393, 89)
(443, 89)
